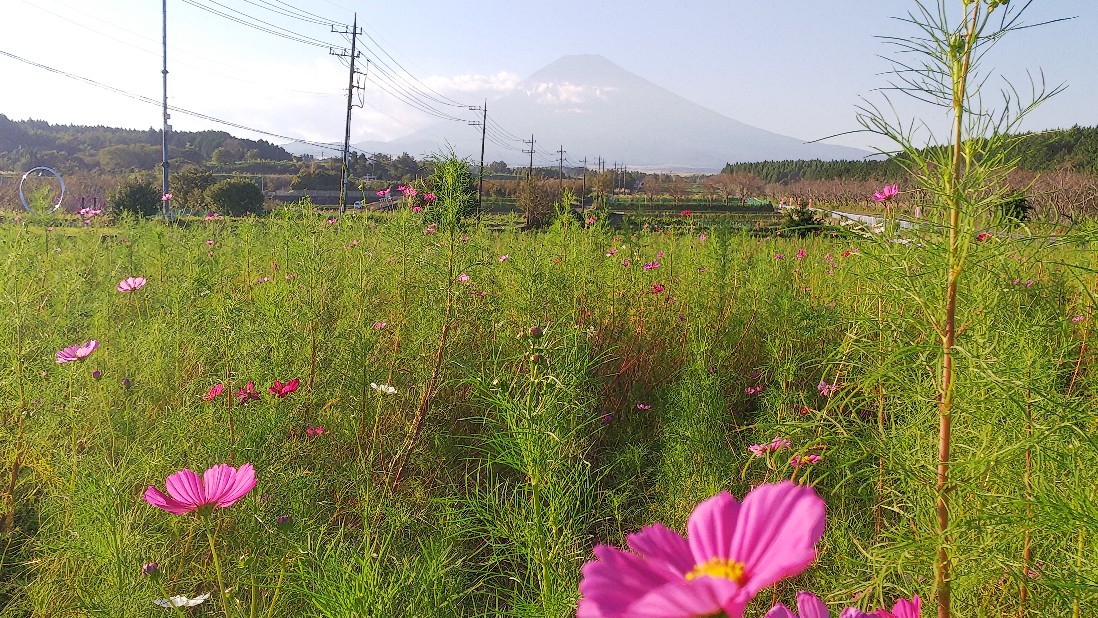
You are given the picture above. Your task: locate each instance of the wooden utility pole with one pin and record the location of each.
(583, 191)
(530, 170)
(345, 175)
(561, 169)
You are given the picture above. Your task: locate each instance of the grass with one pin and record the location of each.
(522, 453)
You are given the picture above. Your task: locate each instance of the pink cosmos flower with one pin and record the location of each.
(1078, 318)
(463, 278)
(380, 325)
(219, 487)
(416, 209)
(332, 220)
(753, 390)
(131, 284)
(702, 237)
(903, 609)
(246, 394)
(504, 257)
(810, 606)
(383, 193)
(651, 266)
(211, 216)
(644, 406)
(657, 288)
(611, 252)
(778, 256)
(982, 236)
(215, 391)
(315, 431)
(210, 243)
(75, 353)
(591, 220)
(801, 254)
(886, 193)
(806, 460)
(166, 197)
(429, 197)
(409, 192)
(827, 390)
(686, 213)
(734, 550)
(281, 390)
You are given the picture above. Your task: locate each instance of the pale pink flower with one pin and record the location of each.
(778, 256)
(210, 243)
(1078, 318)
(463, 278)
(383, 193)
(417, 209)
(380, 325)
(779, 443)
(702, 237)
(611, 252)
(734, 551)
(166, 197)
(131, 284)
(75, 353)
(827, 390)
(429, 197)
(219, 487)
(211, 216)
(644, 406)
(504, 257)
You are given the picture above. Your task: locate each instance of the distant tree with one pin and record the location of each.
(403, 168)
(137, 196)
(677, 188)
(189, 186)
(224, 156)
(235, 196)
(498, 167)
(651, 186)
(316, 178)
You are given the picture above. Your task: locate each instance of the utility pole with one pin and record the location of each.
(561, 169)
(165, 199)
(483, 134)
(583, 191)
(345, 175)
(530, 170)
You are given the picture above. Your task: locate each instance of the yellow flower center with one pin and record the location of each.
(719, 567)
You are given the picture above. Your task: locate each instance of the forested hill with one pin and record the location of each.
(27, 143)
(1074, 149)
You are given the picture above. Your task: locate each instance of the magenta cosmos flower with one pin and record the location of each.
(217, 488)
(131, 284)
(886, 193)
(281, 390)
(810, 606)
(903, 609)
(734, 550)
(75, 353)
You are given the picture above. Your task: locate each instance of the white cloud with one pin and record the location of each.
(503, 81)
(549, 93)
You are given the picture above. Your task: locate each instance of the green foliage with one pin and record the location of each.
(189, 186)
(1014, 209)
(316, 178)
(235, 196)
(453, 186)
(137, 197)
(802, 221)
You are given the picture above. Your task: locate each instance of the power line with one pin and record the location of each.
(267, 27)
(173, 108)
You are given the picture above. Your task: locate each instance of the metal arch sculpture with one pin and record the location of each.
(60, 198)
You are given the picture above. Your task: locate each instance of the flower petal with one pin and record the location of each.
(217, 480)
(852, 612)
(712, 526)
(615, 579)
(243, 480)
(662, 545)
(775, 535)
(779, 611)
(810, 606)
(185, 487)
(157, 498)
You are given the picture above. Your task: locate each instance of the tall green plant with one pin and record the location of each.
(965, 182)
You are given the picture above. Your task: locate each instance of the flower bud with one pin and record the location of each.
(150, 568)
(535, 332)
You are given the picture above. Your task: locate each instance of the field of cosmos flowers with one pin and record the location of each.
(394, 415)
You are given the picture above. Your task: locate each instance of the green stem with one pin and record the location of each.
(217, 570)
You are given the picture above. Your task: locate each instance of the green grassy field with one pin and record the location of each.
(481, 485)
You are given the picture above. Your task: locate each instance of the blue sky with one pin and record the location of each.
(794, 67)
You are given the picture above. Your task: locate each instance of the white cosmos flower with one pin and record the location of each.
(182, 601)
(384, 389)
